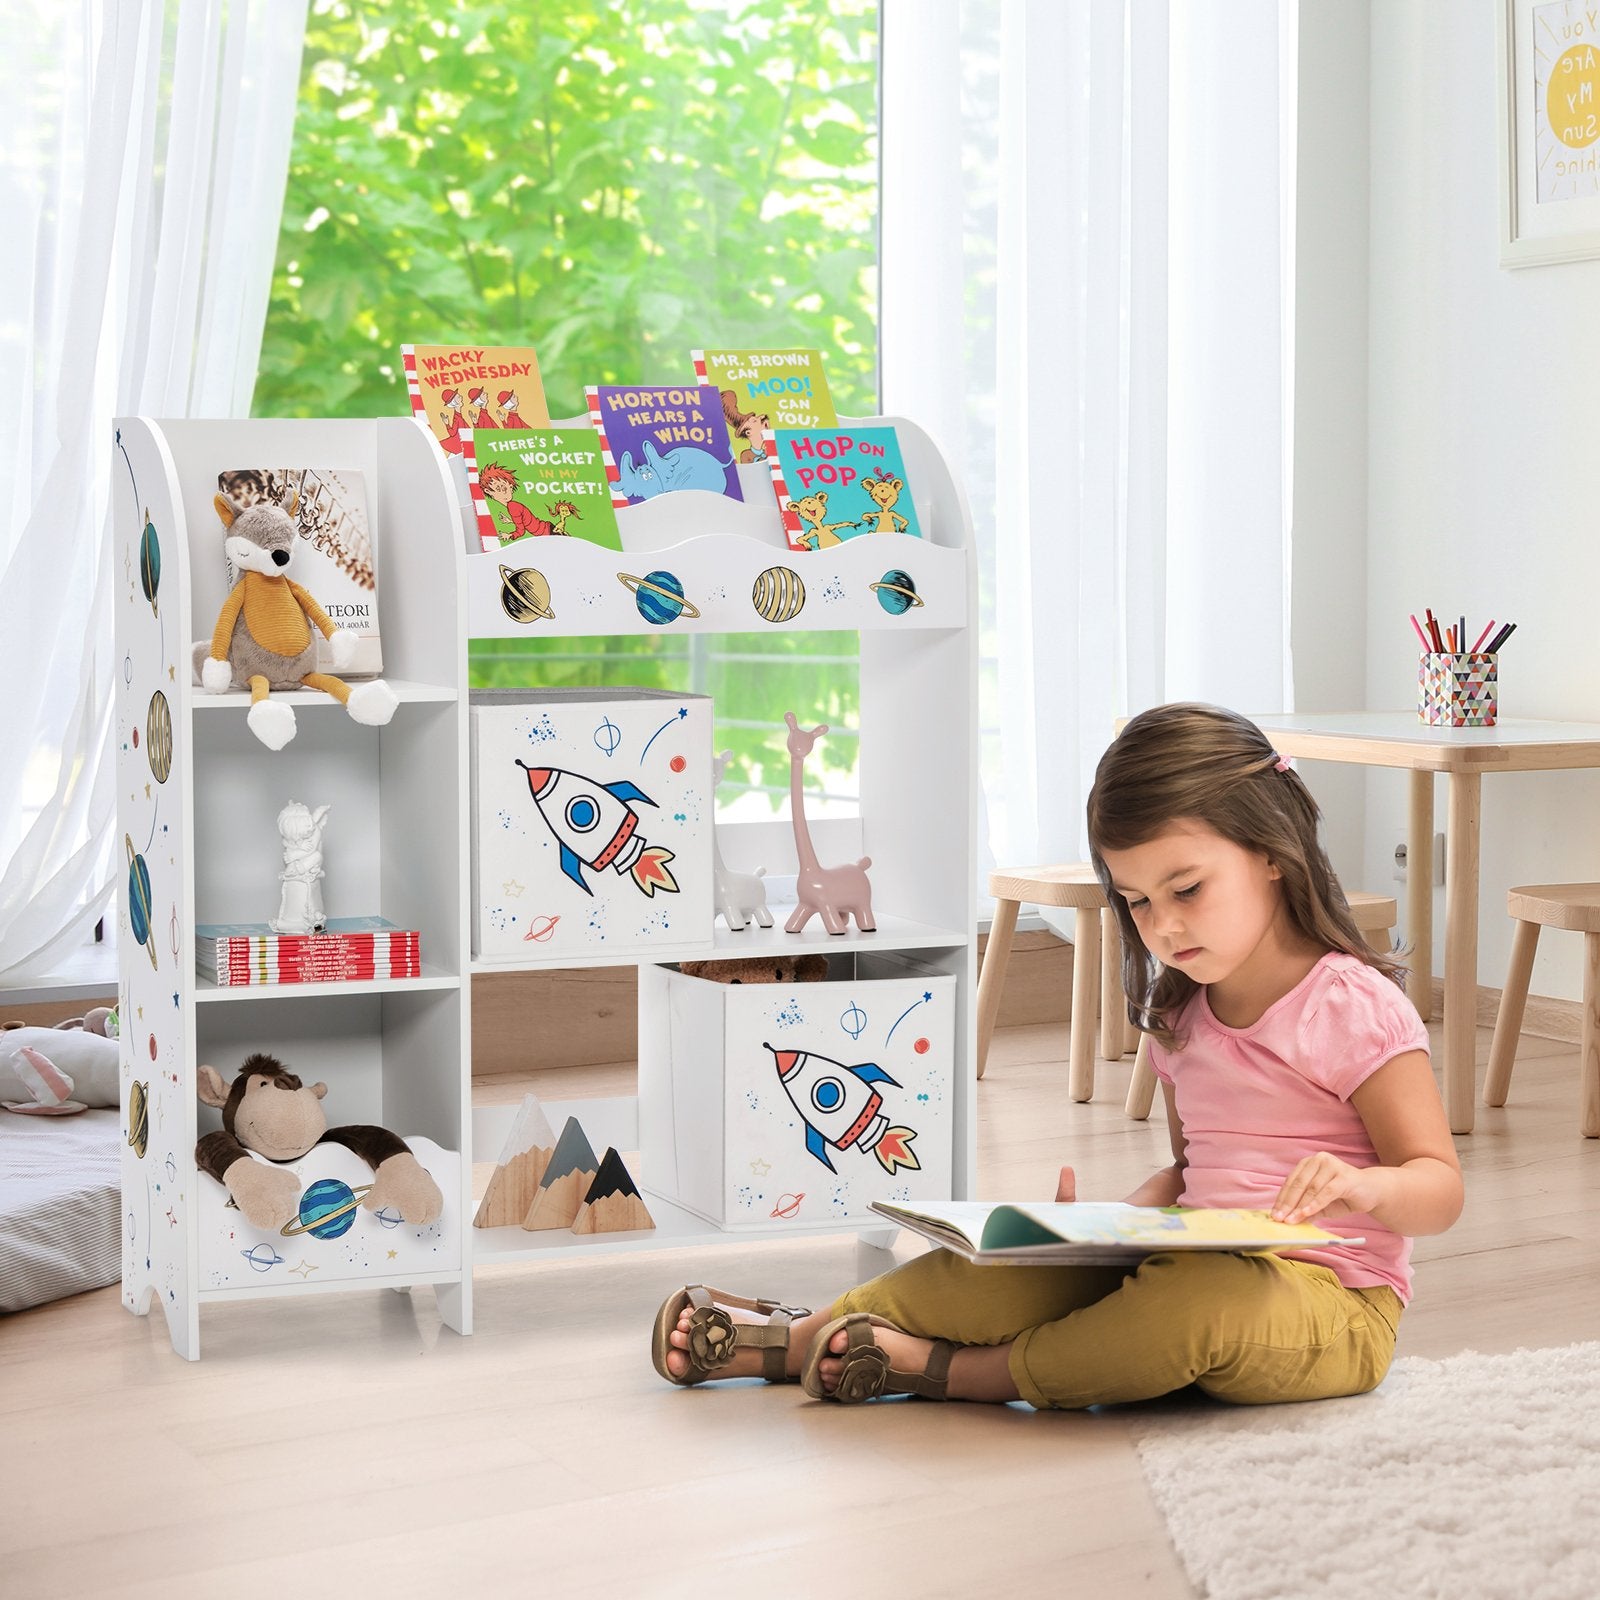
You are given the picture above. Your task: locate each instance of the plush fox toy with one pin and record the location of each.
(263, 639)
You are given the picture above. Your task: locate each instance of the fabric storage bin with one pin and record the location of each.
(591, 823)
(802, 1103)
(335, 1238)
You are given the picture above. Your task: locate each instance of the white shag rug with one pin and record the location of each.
(1474, 1478)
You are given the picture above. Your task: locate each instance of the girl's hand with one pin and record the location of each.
(1067, 1185)
(1323, 1185)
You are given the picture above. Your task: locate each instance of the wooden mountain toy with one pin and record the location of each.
(566, 1180)
(516, 1180)
(613, 1204)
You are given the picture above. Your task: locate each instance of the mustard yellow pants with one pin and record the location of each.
(1251, 1329)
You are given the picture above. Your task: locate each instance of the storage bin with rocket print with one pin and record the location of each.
(800, 1104)
(591, 823)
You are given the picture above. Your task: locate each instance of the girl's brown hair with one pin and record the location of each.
(1200, 761)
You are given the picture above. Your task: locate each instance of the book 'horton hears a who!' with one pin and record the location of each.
(659, 440)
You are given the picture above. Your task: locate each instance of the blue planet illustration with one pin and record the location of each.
(262, 1257)
(896, 592)
(150, 562)
(139, 899)
(327, 1210)
(659, 597)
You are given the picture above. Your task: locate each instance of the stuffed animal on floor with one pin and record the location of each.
(263, 639)
(61, 1069)
(269, 1111)
(759, 969)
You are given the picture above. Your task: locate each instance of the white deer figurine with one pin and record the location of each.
(740, 896)
(834, 893)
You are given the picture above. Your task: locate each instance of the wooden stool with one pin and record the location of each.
(1373, 914)
(1575, 907)
(1096, 963)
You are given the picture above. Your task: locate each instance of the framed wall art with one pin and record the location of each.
(1549, 61)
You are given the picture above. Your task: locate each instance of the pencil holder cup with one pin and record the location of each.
(1458, 689)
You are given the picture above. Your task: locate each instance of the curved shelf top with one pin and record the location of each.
(698, 562)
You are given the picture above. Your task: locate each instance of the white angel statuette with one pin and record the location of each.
(300, 908)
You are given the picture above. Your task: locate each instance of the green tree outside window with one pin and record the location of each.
(615, 184)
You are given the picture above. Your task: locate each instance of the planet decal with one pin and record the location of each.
(158, 736)
(525, 595)
(327, 1209)
(262, 1257)
(896, 593)
(788, 1205)
(139, 898)
(678, 764)
(150, 562)
(922, 1046)
(659, 597)
(138, 1118)
(541, 928)
(778, 594)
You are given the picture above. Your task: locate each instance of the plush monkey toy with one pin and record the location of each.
(270, 1111)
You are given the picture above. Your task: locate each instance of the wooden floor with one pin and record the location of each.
(348, 1444)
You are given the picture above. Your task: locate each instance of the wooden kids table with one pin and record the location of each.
(1398, 739)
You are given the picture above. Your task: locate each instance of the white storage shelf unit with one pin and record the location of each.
(918, 767)
(198, 801)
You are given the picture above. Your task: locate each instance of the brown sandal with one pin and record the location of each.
(865, 1372)
(714, 1335)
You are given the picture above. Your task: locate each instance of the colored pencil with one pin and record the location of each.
(1501, 637)
(1420, 634)
(1484, 635)
(1433, 631)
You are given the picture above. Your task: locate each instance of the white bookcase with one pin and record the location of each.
(918, 772)
(198, 798)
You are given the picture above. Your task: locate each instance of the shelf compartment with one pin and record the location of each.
(893, 933)
(205, 991)
(405, 691)
(335, 1240)
(614, 1121)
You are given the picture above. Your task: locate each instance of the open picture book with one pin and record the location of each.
(1094, 1233)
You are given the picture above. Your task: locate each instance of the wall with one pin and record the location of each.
(1328, 519)
(1481, 423)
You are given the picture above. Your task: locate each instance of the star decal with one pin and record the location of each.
(512, 890)
(760, 1167)
(393, 1254)
(305, 1269)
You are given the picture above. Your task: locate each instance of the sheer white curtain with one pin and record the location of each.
(1086, 295)
(141, 186)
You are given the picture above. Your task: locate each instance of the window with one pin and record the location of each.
(615, 184)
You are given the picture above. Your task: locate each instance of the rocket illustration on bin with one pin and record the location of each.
(839, 1107)
(597, 827)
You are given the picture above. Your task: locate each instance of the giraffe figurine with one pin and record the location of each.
(833, 893)
(738, 897)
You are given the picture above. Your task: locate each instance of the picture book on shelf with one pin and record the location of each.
(1088, 1232)
(473, 386)
(835, 484)
(657, 440)
(333, 559)
(535, 482)
(763, 390)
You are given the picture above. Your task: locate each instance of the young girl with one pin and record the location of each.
(1297, 1081)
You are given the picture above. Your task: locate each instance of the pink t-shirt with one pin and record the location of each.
(1254, 1101)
